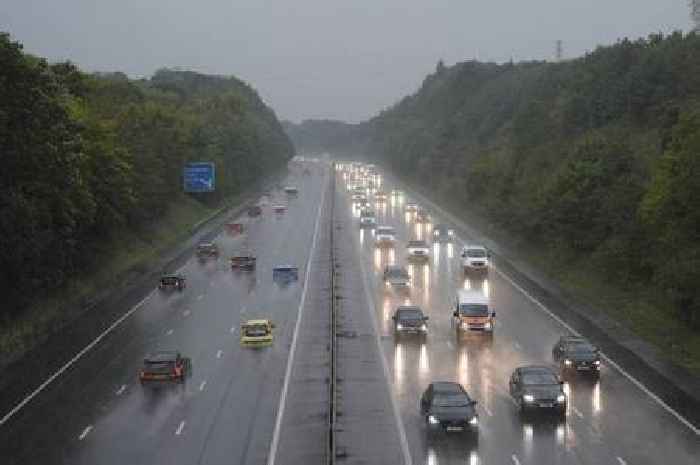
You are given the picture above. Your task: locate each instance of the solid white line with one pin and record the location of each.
(180, 427)
(272, 454)
(620, 461)
(201, 386)
(219, 354)
(85, 432)
(70, 363)
(607, 360)
(121, 390)
(515, 459)
(371, 308)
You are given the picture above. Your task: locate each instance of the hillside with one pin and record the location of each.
(319, 136)
(90, 158)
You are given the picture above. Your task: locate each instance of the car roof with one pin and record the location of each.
(394, 267)
(175, 275)
(474, 247)
(447, 387)
(572, 339)
(537, 369)
(205, 244)
(417, 242)
(469, 296)
(386, 228)
(257, 322)
(162, 356)
(411, 308)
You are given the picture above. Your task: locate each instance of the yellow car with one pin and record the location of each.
(257, 333)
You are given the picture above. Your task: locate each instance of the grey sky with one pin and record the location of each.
(324, 58)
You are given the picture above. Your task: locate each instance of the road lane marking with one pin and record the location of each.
(219, 354)
(186, 313)
(232, 330)
(515, 459)
(272, 454)
(607, 359)
(450, 345)
(180, 427)
(72, 361)
(203, 383)
(85, 432)
(517, 346)
(200, 296)
(121, 390)
(487, 410)
(169, 332)
(577, 412)
(620, 461)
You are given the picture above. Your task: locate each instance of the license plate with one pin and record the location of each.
(451, 429)
(546, 405)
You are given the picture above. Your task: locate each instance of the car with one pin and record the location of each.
(447, 407)
(411, 207)
(443, 233)
(418, 250)
(254, 211)
(358, 197)
(163, 367)
(380, 196)
(396, 192)
(257, 333)
(396, 277)
(206, 250)
(475, 259)
(279, 208)
(291, 190)
(472, 313)
(245, 261)
(409, 319)
(172, 281)
(576, 355)
(537, 388)
(367, 219)
(384, 236)
(285, 274)
(422, 217)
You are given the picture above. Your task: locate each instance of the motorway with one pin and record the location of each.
(610, 421)
(96, 412)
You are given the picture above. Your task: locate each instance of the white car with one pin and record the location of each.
(418, 250)
(368, 219)
(411, 207)
(385, 236)
(475, 258)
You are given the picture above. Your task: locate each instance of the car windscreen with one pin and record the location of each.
(169, 280)
(457, 400)
(540, 377)
(396, 273)
(410, 314)
(476, 253)
(158, 367)
(581, 348)
(388, 231)
(473, 309)
(255, 331)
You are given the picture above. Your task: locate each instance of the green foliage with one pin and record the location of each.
(85, 156)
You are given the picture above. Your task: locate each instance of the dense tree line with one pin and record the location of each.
(83, 156)
(596, 159)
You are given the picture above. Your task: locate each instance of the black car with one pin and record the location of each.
(164, 366)
(172, 281)
(443, 233)
(537, 388)
(409, 319)
(447, 407)
(576, 355)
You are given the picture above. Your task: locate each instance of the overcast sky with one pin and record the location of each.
(324, 58)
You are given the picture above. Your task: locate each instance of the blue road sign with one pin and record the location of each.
(199, 177)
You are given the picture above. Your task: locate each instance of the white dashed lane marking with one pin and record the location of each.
(186, 313)
(200, 296)
(233, 329)
(577, 412)
(180, 427)
(219, 354)
(169, 332)
(203, 383)
(85, 432)
(121, 390)
(515, 459)
(620, 461)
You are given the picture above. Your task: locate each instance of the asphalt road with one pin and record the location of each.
(96, 412)
(610, 421)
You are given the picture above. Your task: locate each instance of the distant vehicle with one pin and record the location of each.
(447, 407)
(409, 319)
(291, 190)
(385, 236)
(254, 211)
(443, 233)
(537, 388)
(243, 262)
(285, 274)
(363, 203)
(257, 333)
(422, 217)
(411, 207)
(576, 355)
(418, 250)
(279, 208)
(206, 250)
(172, 281)
(357, 196)
(472, 312)
(396, 277)
(368, 219)
(164, 367)
(235, 229)
(380, 196)
(475, 259)
(396, 192)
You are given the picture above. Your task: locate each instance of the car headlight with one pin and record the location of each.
(487, 325)
(436, 233)
(474, 421)
(451, 232)
(465, 326)
(529, 398)
(399, 326)
(433, 420)
(561, 398)
(424, 327)
(597, 362)
(567, 362)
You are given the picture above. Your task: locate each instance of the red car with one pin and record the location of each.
(164, 366)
